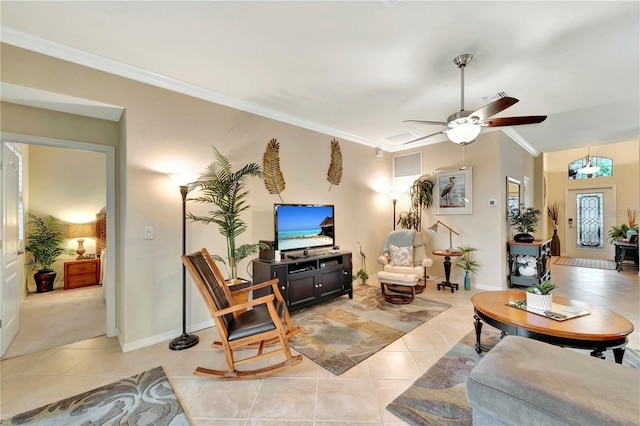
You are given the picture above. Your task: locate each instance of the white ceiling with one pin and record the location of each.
(356, 70)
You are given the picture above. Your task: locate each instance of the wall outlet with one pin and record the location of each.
(148, 232)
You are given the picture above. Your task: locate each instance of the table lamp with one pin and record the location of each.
(434, 228)
(81, 231)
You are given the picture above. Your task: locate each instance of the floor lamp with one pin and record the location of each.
(394, 197)
(185, 341)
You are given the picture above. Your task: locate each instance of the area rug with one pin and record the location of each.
(438, 396)
(585, 263)
(342, 332)
(144, 399)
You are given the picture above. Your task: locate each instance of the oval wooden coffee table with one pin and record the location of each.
(599, 330)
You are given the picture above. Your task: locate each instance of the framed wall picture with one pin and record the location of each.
(454, 192)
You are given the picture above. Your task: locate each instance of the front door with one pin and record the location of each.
(10, 274)
(587, 222)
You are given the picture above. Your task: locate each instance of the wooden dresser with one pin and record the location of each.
(81, 273)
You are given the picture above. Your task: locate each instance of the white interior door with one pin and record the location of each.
(10, 274)
(588, 220)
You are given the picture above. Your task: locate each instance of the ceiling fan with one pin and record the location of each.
(464, 126)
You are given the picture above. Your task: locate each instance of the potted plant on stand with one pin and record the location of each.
(468, 264)
(226, 190)
(525, 221)
(46, 243)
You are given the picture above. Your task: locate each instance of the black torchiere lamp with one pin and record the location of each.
(185, 341)
(434, 228)
(394, 197)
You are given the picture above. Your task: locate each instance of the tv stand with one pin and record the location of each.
(307, 280)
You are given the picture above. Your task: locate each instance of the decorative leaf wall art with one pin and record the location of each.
(273, 178)
(334, 175)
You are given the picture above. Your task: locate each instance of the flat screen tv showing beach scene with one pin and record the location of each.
(303, 226)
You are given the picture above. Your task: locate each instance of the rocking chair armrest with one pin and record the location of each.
(273, 283)
(257, 286)
(244, 305)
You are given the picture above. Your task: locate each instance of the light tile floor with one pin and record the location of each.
(303, 395)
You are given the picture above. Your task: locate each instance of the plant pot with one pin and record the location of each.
(44, 280)
(527, 271)
(630, 233)
(523, 238)
(542, 302)
(467, 280)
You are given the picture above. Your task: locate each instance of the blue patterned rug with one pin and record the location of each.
(144, 399)
(342, 332)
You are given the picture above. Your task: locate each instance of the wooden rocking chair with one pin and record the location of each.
(256, 326)
(241, 295)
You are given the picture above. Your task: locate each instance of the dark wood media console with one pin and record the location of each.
(308, 280)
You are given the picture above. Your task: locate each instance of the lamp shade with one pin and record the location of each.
(82, 230)
(182, 179)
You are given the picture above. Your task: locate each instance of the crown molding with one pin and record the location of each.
(91, 60)
(517, 138)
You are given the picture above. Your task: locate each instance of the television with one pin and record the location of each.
(303, 226)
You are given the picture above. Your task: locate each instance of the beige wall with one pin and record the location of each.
(59, 125)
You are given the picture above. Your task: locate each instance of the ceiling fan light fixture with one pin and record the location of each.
(463, 133)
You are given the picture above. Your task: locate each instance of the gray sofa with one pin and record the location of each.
(522, 381)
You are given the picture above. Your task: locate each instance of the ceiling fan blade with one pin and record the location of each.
(425, 137)
(514, 121)
(435, 123)
(493, 108)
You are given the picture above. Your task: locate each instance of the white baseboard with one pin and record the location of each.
(164, 337)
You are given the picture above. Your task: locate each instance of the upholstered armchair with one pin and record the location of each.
(404, 252)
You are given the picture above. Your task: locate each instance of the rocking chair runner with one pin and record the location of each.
(256, 326)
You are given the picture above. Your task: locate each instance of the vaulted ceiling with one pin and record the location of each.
(356, 70)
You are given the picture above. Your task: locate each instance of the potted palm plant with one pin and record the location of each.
(225, 189)
(468, 264)
(46, 243)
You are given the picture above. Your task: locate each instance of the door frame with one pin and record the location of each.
(110, 154)
(608, 251)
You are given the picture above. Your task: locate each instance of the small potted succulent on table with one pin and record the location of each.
(539, 296)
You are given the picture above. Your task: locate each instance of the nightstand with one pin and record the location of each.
(81, 273)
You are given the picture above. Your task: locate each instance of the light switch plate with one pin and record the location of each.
(493, 203)
(148, 232)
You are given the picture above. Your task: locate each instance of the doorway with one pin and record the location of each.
(589, 216)
(109, 290)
